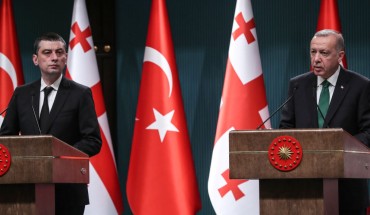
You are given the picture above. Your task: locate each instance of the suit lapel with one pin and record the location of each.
(60, 99)
(340, 92)
(35, 102)
(312, 100)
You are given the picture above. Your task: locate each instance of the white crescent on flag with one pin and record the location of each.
(8, 67)
(154, 56)
(11, 74)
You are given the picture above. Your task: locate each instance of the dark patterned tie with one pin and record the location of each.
(324, 102)
(44, 115)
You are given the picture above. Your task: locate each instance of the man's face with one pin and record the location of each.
(51, 58)
(325, 58)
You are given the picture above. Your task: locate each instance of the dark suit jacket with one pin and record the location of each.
(72, 120)
(349, 109)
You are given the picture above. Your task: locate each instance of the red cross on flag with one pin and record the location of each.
(161, 178)
(329, 19)
(243, 106)
(104, 191)
(11, 74)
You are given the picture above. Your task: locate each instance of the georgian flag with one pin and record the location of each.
(243, 106)
(104, 191)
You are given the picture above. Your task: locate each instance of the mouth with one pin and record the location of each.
(53, 66)
(317, 67)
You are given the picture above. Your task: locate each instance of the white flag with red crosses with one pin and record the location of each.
(243, 106)
(104, 191)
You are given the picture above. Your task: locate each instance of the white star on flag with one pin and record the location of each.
(176, 188)
(163, 123)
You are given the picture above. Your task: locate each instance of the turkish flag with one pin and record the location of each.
(161, 178)
(104, 190)
(243, 106)
(329, 19)
(11, 74)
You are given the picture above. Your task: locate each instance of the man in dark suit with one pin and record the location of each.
(68, 113)
(347, 107)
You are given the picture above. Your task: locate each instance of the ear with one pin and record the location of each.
(35, 60)
(340, 56)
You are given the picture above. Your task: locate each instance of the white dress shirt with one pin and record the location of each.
(332, 80)
(52, 94)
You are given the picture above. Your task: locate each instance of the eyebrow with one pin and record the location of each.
(59, 49)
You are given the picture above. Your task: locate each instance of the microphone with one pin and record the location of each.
(318, 108)
(279, 108)
(3, 111)
(34, 113)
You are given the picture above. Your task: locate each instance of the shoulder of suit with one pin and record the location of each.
(67, 83)
(304, 76)
(354, 75)
(32, 86)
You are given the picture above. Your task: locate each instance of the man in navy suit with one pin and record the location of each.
(349, 106)
(70, 109)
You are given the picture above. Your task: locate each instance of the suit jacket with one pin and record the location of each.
(72, 120)
(349, 109)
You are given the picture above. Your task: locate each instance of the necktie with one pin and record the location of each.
(323, 102)
(44, 115)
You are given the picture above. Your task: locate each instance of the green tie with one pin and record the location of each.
(324, 102)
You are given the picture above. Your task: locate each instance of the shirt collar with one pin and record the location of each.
(332, 79)
(55, 85)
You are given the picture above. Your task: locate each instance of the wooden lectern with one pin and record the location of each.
(310, 188)
(37, 164)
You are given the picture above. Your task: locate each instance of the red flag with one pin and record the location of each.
(104, 190)
(243, 106)
(329, 19)
(11, 74)
(161, 177)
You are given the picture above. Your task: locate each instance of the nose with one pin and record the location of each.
(54, 56)
(316, 57)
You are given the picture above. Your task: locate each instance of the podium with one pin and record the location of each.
(327, 155)
(37, 164)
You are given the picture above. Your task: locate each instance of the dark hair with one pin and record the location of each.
(50, 36)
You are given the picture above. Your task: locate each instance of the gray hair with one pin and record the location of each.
(340, 40)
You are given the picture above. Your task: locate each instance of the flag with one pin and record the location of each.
(11, 74)
(329, 19)
(104, 190)
(161, 177)
(243, 106)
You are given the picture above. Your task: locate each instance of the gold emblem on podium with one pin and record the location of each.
(285, 153)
